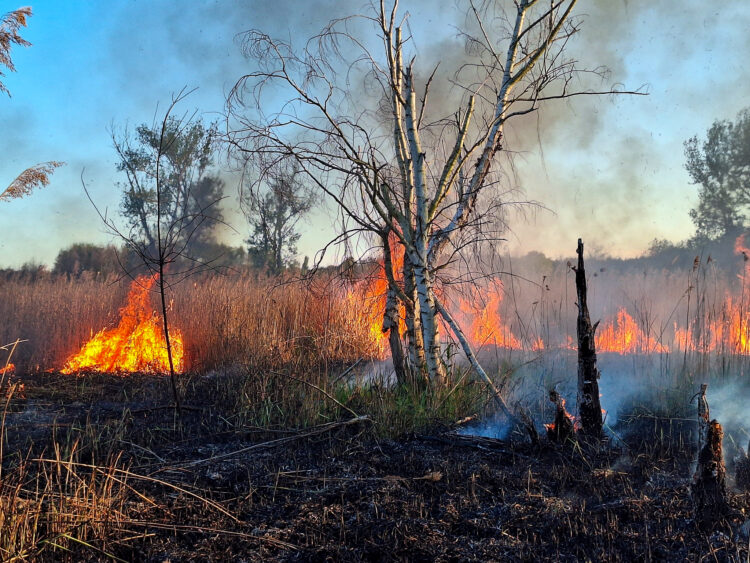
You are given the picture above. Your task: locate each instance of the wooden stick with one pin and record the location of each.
(322, 429)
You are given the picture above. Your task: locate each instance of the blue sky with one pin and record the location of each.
(610, 170)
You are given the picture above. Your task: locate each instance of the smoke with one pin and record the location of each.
(610, 168)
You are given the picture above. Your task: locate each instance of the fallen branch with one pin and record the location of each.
(208, 530)
(477, 442)
(339, 403)
(473, 359)
(346, 372)
(322, 429)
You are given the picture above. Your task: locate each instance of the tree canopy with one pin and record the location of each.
(189, 192)
(273, 211)
(720, 165)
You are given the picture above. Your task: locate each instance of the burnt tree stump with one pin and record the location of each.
(563, 427)
(709, 483)
(589, 406)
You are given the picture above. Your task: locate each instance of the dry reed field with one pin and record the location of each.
(327, 300)
(235, 320)
(293, 446)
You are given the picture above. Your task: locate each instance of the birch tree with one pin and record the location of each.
(404, 166)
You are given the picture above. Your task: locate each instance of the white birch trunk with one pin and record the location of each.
(413, 322)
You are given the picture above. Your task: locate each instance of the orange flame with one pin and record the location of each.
(369, 297)
(729, 332)
(550, 427)
(624, 336)
(136, 344)
(10, 368)
(487, 326)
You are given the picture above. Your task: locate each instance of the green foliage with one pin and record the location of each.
(84, 257)
(721, 166)
(413, 407)
(274, 209)
(658, 247)
(218, 255)
(189, 193)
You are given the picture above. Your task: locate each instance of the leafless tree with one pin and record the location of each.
(403, 166)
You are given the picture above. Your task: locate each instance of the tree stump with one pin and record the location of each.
(709, 483)
(589, 406)
(563, 427)
(704, 415)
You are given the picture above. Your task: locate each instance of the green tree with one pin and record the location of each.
(274, 209)
(85, 257)
(720, 165)
(188, 192)
(165, 166)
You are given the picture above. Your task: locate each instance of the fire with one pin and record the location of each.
(10, 368)
(729, 331)
(565, 424)
(368, 299)
(624, 336)
(480, 313)
(136, 344)
(487, 326)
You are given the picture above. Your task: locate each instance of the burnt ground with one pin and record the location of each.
(343, 494)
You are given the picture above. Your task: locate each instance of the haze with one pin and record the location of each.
(608, 169)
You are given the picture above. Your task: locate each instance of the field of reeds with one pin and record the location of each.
(293, 444)
(235, 320)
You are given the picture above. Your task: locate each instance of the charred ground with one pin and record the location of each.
(346, 491)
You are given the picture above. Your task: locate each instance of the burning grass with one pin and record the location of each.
(233, 320)
(273, 458)
(136, 344)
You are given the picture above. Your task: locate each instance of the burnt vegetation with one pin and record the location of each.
(293, 445)
(414, 402)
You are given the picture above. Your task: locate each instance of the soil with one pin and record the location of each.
(345, 495)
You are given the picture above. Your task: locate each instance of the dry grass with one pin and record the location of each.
(56, 505)
(55, 316)
(261, 360)
(243, 320)
(225, 321)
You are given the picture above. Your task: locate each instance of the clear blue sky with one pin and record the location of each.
(612, 170)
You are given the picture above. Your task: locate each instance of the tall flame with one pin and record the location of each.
(727, 332)
(136, 344)
(487, 325)
(368, 298)
(624, 336)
